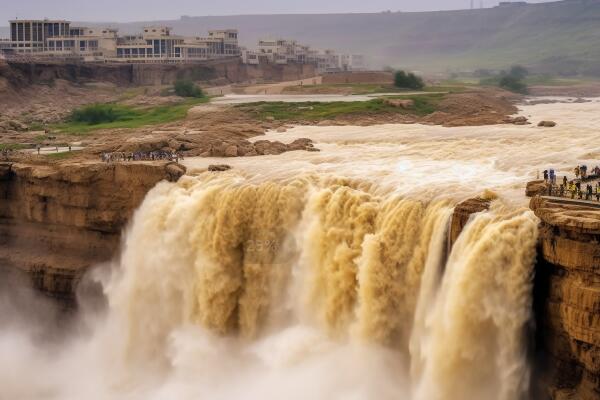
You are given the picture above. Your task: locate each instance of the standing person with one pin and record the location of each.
(577, 170)
(562, 190)
(583, 171)
(565, 180)
(552, 177)
(588, 196)
(597, 193)
(545, 175)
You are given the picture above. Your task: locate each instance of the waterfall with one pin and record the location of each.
(304, 266)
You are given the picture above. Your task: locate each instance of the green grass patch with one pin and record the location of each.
(36, 126)
(116, 116)
(353, 88)
(60, 156)
(13, 146)
(319, 111)
(370, 88)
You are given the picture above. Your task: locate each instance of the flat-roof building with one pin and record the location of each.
(286, 51)
(58, 39)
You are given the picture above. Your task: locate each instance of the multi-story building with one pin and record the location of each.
(250, 56)
(58, 39)
(31, 35)
(284, 51)
(157, 43)
(89, 44)
(353, 62)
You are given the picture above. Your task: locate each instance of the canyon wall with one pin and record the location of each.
(567, 297)
(21, 74)
(57, 220)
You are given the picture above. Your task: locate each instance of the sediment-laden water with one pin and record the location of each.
(321, 275)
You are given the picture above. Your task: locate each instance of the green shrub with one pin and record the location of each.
(95, 114)
(185, 88)
(513, 80)
(513, 83)
(408, 80)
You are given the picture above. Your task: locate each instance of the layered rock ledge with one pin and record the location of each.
(567, 297)
(57, 220)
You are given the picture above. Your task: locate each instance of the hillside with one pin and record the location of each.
(561, 37)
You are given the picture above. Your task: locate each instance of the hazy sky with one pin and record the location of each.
(137, 10)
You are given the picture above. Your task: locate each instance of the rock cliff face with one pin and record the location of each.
(568, 299)
(20, 74)
(57, 220)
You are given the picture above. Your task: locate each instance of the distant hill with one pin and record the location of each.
(561, 37)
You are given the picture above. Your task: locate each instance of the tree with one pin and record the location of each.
(512, 80)
(513, 83)
(518, 71)
(184, 88)
(408, 80)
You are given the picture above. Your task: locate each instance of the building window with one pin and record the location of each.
(13, 32)
(27, 27)
(20, 32)
(119, 52)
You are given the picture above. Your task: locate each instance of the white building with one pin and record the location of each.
(285, 51)
(58, 39)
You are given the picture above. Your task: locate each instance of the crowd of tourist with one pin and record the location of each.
(141, 156)
(584, 186)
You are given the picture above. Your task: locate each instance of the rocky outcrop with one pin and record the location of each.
(57, 220)
(400, 103)
(219, 167)
(462, 213)
(535, 188)
(567, 299)
(520, 120)
(244, 148)
(547, 124)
